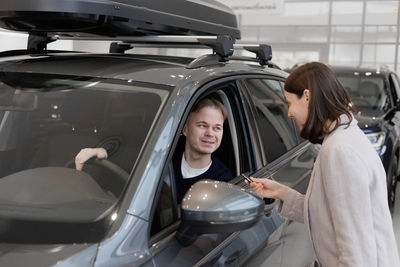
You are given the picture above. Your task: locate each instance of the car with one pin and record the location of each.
(375, 94)
(123, 210)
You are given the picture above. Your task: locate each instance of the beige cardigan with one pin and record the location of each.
(346, 207)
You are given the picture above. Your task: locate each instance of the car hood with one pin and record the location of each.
(47, 255)
(369, 119)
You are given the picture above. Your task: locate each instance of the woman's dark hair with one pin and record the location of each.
(328, 98)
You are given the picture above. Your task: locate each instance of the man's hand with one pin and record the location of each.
(88, 153)
(267, 188)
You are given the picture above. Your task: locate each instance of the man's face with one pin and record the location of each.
(203, 130)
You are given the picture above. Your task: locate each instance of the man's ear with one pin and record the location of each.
(184, 130)
(307, 94)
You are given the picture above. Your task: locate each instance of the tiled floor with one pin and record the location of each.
(396, 217)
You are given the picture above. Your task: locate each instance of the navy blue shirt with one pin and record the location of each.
(217, 171)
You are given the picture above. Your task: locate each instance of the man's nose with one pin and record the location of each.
(209, 132)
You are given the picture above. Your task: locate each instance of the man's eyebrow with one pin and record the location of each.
(204, 122)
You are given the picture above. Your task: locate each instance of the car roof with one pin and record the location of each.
(170, 70)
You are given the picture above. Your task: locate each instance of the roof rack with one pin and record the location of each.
(223, 47)
(263, 52)
(37, 42)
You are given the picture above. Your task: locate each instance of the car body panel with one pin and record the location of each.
(48, 255)
(127, 241)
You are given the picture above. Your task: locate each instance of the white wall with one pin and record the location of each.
(337, 32)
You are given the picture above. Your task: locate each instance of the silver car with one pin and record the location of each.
(123, 211)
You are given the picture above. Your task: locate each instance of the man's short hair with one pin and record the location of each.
(210, 102)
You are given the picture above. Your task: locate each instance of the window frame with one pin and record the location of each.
(293, 129)
(234, 95)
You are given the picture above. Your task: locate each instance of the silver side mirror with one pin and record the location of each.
(217, 207)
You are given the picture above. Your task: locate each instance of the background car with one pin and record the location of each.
(375, 95)
(123, 210)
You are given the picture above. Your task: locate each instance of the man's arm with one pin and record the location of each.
(88, 153)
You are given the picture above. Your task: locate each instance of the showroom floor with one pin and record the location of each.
(396, 217)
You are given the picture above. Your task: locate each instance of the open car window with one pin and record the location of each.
(228, 153)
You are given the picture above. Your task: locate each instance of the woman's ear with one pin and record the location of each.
(307, 94)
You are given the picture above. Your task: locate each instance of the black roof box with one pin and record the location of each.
(82, 18)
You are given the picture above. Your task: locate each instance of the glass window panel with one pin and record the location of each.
(380, 33)
(344, 54)
(346, 34)
(381, 12)
(287, 59)
(164, 215)
(294, 13)
(307, 34)
(250, 33)
(347, 12)
(378, 54)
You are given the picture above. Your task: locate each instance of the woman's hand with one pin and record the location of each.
(88, 153)
(267, 188)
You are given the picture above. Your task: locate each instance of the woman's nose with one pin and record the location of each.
(289, 113)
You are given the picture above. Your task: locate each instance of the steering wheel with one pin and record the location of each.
(112, 167)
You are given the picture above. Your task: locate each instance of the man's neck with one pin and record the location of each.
(197, 161)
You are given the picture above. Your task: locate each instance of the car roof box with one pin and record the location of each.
(83, 18)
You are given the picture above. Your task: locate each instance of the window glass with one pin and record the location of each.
(366, 89)
(45, 121)
(348, 12)
(396, 88)
(274, 85)
(381, 12)
(164, 215)
(276, 129)
(344, 54)
(346, 34)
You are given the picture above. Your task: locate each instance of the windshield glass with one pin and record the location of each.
(45, 120)
(367, 90)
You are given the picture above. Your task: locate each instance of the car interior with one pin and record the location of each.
(163, 215)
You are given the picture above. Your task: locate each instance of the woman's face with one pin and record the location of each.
(298, 107)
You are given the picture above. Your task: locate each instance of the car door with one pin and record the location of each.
(260, 242)
(286, 161)
(214, 249)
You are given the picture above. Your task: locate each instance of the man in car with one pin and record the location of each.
(203, 131)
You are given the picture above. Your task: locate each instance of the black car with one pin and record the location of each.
(123, 210)
(375, 94)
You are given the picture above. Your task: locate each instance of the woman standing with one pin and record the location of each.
(345, 207)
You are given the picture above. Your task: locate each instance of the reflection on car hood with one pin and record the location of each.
(368, 118)
(17, 255)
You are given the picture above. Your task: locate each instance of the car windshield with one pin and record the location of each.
(367, 90)
(45, 120)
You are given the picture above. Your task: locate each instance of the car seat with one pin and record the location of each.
(369, 93)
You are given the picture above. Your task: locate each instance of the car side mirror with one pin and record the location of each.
(217, 207)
